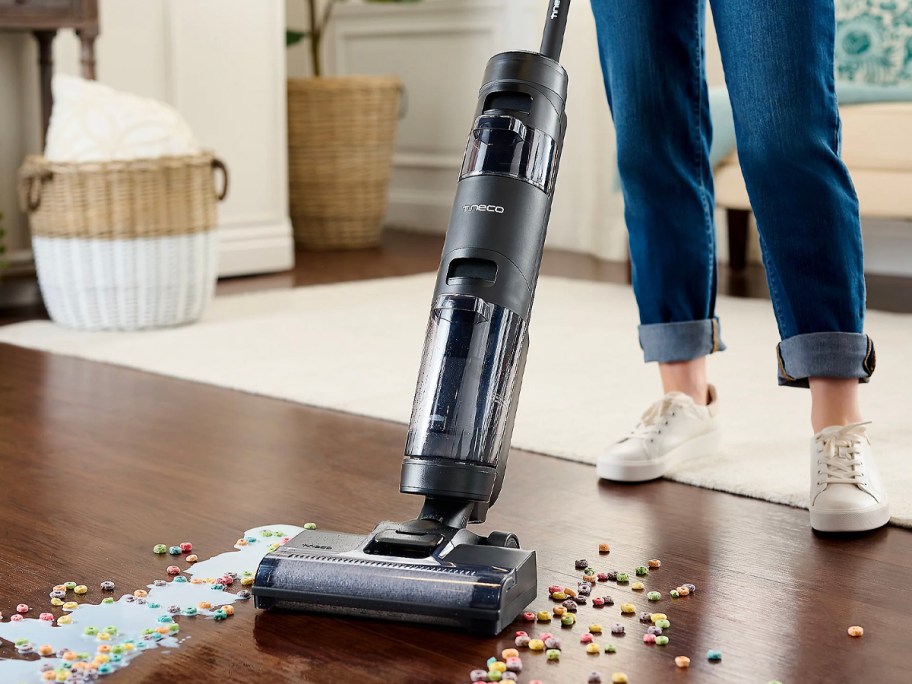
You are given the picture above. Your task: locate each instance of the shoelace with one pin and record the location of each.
(840, 449)
(656, 416)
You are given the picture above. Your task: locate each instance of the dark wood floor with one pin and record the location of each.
(98, 463)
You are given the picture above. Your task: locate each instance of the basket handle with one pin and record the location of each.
(31, 181)
(219, 165)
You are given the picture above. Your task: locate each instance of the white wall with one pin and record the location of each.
(221, 63)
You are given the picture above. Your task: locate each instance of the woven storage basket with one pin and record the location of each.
(124, 245)
(340, 151)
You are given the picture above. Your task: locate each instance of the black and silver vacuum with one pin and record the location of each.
(433, 569)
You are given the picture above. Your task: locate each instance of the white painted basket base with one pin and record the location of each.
(126, 284)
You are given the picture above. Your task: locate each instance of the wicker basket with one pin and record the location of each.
(340, 150)
(124, 245)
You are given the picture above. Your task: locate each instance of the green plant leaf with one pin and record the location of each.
(295, 37)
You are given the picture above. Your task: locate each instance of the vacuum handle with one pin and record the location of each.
(555, 23)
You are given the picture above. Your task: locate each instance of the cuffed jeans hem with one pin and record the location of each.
(680, 341)
(825, 355)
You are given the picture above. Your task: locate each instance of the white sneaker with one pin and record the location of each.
(847, 493)
(671, 429)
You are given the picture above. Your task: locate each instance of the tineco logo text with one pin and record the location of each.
(493, 208)
(556, 9)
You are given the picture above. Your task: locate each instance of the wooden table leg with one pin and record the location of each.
(87, 41)
(46, 64)
(737, 238)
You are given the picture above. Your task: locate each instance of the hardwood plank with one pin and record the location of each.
(100, 463)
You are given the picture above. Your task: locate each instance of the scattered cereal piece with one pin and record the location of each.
(604, 548)
(586, 638)
(683, 591)
(682, 661)
(47, 617)
(637, 586)
(714, 656)
(245, 594)
(598, 602)
(159, 548)
(204, 605)
(173, 570)
(559, 596)
(663, 623)
(64, 620)
(570, 591)
(617, 628)
(654, 595)
(609, 648)
(553, 653)
(568, 620)
(81, 589)
(593, 648)
(247, 581)
(619, 678)
(612, 575)
(580, 564)
(536, 645)
(570, 605)
(551, 641)
(690, 587)
(622, 577)
(22, 608)
(555, 587)
(543, 616)
(652, 629)
(107, 585)
(192, 558)
(641, 571)
(558, 611)
(70, 605)
(140, 593)
(509, 653)
(674, 593)
(174, 550)
(528, 615)
(186, 547)
(649, 638)
(46, 650)
(661, 640)
(657, 616)
(654, 563)
(595, 628)
(856, 631)
(602, 577)
(310, 526)
(628, 608)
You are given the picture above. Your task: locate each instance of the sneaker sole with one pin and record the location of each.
(851, 521)
(708, 442)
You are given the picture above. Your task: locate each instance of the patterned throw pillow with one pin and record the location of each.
(92, 122)
(874, 41)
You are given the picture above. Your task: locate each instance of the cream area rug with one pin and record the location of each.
(356, 347)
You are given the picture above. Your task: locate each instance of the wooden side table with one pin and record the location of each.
(44, 18)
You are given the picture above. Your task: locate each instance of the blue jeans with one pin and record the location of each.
(778, 61)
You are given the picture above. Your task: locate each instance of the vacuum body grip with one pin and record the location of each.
(477, 334)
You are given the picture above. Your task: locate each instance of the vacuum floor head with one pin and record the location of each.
(463, 582)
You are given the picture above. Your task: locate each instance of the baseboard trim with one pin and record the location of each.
(261, 248)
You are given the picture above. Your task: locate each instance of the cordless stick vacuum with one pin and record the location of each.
(432, 569)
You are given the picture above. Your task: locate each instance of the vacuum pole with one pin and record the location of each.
(555, 23)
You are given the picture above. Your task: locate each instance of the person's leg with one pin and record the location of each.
(778, 60)
(652, 61)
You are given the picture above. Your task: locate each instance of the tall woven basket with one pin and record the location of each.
(124, 245)
(340, 152)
